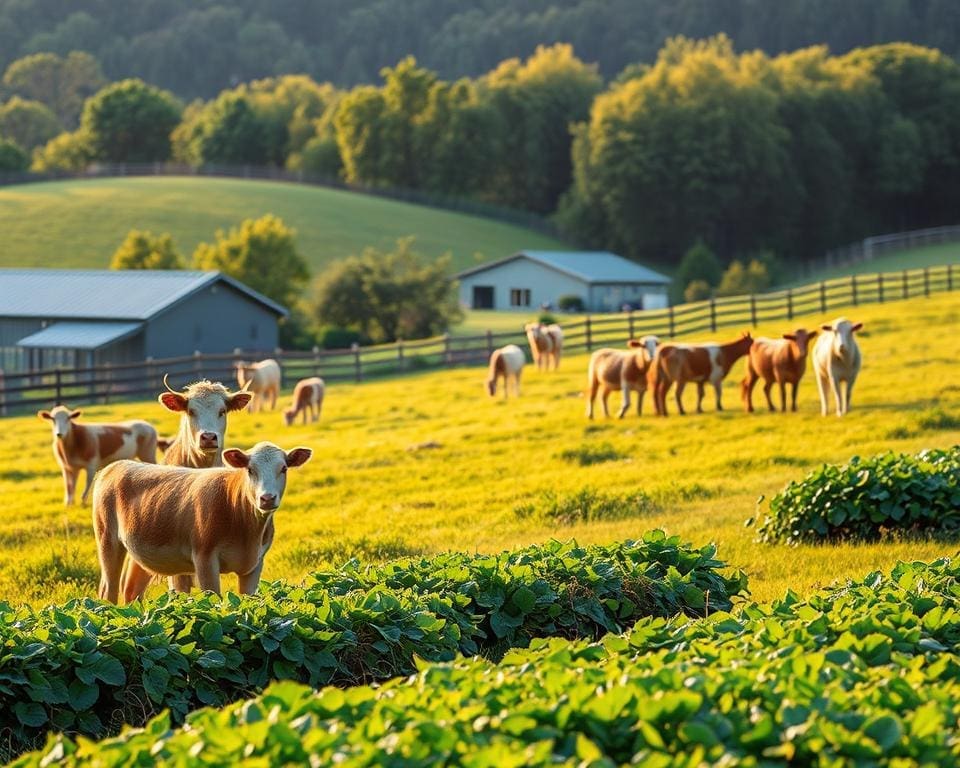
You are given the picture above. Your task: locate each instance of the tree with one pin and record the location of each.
(62, 84)
(28, 123)
(697, 290)
(740, 281)
(227, 130)
(699, 264)
(12, 157)
(261, 253)
(388, 295)
(130, 122)
(66, 152)
(144, 250)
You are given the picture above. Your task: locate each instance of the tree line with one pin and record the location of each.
(195, 48)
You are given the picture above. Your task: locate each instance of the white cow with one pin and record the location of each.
(263, 379)
(836, 363)
(505, 362)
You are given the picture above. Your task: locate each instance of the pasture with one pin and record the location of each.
(38, 219)
(427, 463)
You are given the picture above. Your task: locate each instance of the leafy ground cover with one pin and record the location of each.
(89, 666)
(867, 673)
(889, 495)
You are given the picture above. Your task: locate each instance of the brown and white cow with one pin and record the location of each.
(506, 362)
(179, 520)
(699, 363)
(781, 361)
(203, 408)
(92, 446)
(546, 344)
(307, 396)
(262, 379)
(836, 362)
(616, 369)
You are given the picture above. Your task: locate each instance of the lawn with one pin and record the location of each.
(81, 223)
(428, 462)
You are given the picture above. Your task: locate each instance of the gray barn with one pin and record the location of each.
(603, 281)
(87, 318)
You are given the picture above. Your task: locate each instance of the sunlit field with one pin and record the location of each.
(429, 462)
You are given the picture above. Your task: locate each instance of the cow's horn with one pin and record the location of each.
(167, 385)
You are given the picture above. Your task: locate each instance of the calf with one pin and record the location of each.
(179, 520)
(836, 363)
(614, 369)
(262, 379)
(505, 362)
(307, 395)
(777, 360)
(92, 446)
(682, 363)
(546, 344)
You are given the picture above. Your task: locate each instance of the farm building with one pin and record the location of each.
(603, 281)
(83, 318)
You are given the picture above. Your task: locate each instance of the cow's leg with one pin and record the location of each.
(137, 579)
(848, 392)
(208, 572)
(783, 396)
(837, 393)
(640, 394)
(679, 395)
(746, 389)
(663, 387)
(91, 471)
(796, 385)
(625, 400)
(767, 386)
(247, 583)
(273, 398)
(699, 397)
(592, 395)
(181, 583)
(556, 360)
(822, 389)
(516, 381)
(69, 484)
(718, 389)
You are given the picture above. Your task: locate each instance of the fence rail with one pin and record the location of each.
(21, 392)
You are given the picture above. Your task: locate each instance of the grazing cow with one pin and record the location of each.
(93, 446)
(546, 344)
(203, 408)
(307, 395)
(179, 520)
(263, 379)
(682, 363)
(506, 361)
(777, 360)
(836, 363)
(614, 369)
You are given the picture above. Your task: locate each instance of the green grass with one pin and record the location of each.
(81, 223)
(913, 258)
(365, 493)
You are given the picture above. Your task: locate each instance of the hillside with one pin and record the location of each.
(81, 223)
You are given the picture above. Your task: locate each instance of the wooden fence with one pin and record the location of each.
(22, 392)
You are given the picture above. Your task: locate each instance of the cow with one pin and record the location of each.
(263, 379)
(699, 363)
(505, 362)
(614, 369)
(307, 396)
(203, 408)
(782, 361)
(836, 363)
(546, 344)
(180, 520)
(92, 446)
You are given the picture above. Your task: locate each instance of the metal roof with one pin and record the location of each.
(82, 335)
(589, 266)
(108, 294)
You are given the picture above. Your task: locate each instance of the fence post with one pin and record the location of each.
(926, 282)
(3, 397)
(589, 336)
(106, 392)
(57, 379)
(880, 287)
(399, 354)
(316, 360)
(357, 373)
(630, 323)
(789, 304)
(949, 277)
(753, 310)
(906, 288)
(446, 349)
(670, 330)
(713, 314)
(853, 286)
(489, 342)
(823, 296)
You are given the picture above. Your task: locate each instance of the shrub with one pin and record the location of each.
(586, 505)
(570, 303)
(868, 499)
(697, 290)
(698, 263)
(589, 454)
(332, 337)
(740, 280)
(546, 318)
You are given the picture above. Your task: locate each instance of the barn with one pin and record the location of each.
(603, 281)
(84, 318)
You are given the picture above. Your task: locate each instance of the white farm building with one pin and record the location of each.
(604, 282)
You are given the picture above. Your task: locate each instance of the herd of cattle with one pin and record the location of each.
(204, 510)
(648, 364)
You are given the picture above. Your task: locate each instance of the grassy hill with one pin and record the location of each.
(81, 223)
(428, 462)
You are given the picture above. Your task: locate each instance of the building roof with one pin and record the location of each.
(107, 294)
(80, 335)
(589, 266)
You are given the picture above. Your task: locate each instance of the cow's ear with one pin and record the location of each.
(634, 343)
(298, 457)
(75, 414)
(790, 336)
(234, 457)
(811, 336)
(239, 400)
(45, 415)
(856, 327)
(826, 327)
(173, 401)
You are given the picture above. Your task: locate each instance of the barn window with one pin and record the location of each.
(519, 297)
(254, 331)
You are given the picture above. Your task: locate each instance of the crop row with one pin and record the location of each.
(90, 667)
(867, 674)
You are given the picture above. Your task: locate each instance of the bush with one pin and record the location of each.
(739, 280)
(12, 157)
(698, 263)
(889, 495)
(332, 337)
(697, 290)
(546, 318)
(570, 303)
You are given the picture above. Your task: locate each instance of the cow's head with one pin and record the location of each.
(801, 338)
(843, 331)
(203, 407)
(266, 466)
(60, 418)
(289, 414)
(648, 343)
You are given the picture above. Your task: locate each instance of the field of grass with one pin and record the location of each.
(93, 217)
(913, 258)
(428, 463)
